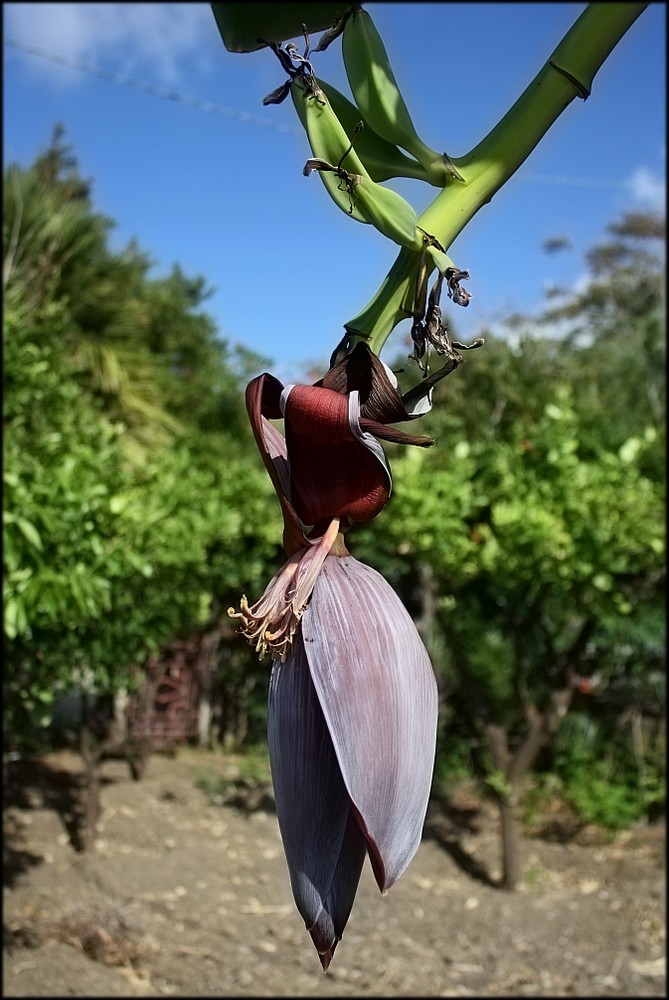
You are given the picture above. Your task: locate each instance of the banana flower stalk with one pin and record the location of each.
(352, 713)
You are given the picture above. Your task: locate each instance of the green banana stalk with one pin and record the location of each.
(382, 159)
(328, 142)
(378, 97)
(342, 171)
(389, 212)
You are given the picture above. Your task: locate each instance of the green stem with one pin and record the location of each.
(567, 74)
(392, 303)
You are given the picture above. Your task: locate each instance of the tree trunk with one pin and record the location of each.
(90, 804)
(511, 845)
(99, 732)
(139, 714)
(211, 643)
(506, 796)
(514, 766)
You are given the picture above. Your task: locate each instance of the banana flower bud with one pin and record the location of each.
(352, 714)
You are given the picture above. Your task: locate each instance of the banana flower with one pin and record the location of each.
(352, 712)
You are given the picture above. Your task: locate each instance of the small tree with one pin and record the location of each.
(524, 549)
(114, 543)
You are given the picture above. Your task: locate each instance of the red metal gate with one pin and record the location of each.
(165, 711)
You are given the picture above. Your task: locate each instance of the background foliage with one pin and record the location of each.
(133, 507)
(529, 543)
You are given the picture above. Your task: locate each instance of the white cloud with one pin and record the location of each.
(647, 188)
(133, 38)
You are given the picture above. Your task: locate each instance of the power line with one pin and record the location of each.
(156, 91)
(247, 119)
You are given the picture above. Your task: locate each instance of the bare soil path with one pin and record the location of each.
(185, 896)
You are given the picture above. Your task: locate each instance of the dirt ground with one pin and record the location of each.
(188, 895)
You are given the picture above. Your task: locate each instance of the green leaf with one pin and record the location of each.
(500, 785)
(11, 612)
(242, 24)
(118, 503)
(629, 450)
(30, 532)
(136, 561)
(15, 618)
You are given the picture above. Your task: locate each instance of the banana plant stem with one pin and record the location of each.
(567, 74)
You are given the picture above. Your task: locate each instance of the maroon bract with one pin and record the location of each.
(353, 701)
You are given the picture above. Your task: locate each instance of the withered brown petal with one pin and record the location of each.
(363, 370)
(263, 396)
(394, 434)
(279, 95)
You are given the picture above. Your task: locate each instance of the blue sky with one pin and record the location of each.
(213, 181)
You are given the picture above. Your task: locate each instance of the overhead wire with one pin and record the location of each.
(209, 107)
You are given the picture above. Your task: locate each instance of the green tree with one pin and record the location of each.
(530, 540)
(525, 550)
(57, 249)
(108, 559)
(612, 332)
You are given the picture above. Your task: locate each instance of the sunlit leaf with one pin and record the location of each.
(242, 24)
(30, 532)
